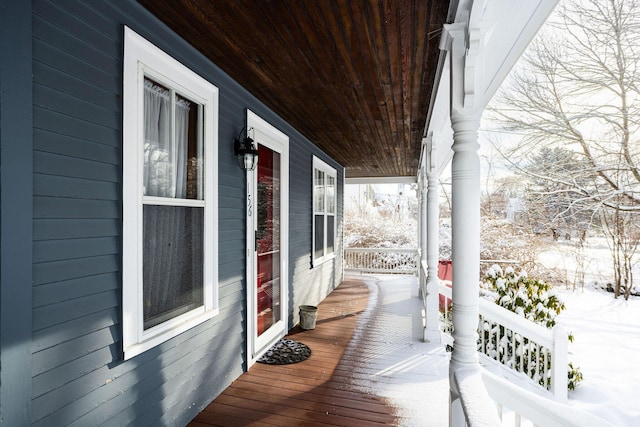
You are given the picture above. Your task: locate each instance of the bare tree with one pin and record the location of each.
(578, 87)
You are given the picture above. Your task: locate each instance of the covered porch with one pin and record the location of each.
(416, 120)
(369, 366)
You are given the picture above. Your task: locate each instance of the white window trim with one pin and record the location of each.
(141, 58)
(330, 171)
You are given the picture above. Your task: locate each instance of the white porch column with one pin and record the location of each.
(465, 215)
(422, 238)
(465, 52)
(432, 229)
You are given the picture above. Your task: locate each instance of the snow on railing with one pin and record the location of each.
(382, 260)
(539, 353)
(516, 406)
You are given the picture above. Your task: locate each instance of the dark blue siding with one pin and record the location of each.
(78, 373)
(310, 283)
(16, 228)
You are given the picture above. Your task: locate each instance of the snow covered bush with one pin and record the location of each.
(375, 232)
(534, 300)
(528, 297)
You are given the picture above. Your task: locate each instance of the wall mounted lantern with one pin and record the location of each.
(246, 151)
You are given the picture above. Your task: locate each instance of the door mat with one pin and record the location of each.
(284, 352)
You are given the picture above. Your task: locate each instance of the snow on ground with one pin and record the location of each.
(606, 349)
(606, 331)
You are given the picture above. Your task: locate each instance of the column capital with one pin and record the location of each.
(465, 41)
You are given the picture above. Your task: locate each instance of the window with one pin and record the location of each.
(169, 197)
(324, 211)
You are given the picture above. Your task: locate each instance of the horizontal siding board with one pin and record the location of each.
(225, 212)
(231, 223)
(77, 188)
(61, 229)
(60, 60)
(50, 142)
(228, 235)
(59, 36)
(63, 124)
(230, 294)
(53, 293)
(51, 315)
(55, 207)
(57, 271)
(81, 23)
(233, 261)
(48, 76)
(53, 250)
(189, 374)
(147, 411)
(54, 164)
(86, 12)
(60, 101)
(76, 398)
(229, 191)
(232, 203)
(68, 372)
(68, 331)
(62, 356)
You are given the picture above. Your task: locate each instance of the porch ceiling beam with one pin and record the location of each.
(383, 180)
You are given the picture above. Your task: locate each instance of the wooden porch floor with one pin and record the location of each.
(369, 367)
(316, 392)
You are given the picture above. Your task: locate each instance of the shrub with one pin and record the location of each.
(532, 299)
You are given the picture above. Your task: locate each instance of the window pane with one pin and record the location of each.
(331, 194)
(189, 156)
(173, 260)
(331, 220)
(172, 160)
(319, 236)
(318, 205)
(157, 139)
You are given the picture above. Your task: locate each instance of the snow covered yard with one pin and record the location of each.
(606, 331)
(607, 350)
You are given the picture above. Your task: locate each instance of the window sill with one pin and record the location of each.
(319, 261)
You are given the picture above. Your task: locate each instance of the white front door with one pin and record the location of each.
(267, 238)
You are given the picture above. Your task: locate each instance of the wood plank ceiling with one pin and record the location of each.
(354, 76)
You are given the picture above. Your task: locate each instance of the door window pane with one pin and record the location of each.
(268, 239)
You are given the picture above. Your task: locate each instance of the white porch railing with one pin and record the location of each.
(539, 353)
(381, 260)
(513, 405)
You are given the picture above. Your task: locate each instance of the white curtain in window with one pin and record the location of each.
(165, 161)
(181, 154)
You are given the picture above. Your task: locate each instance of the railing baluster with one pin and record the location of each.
(382, 260)
(514, 346)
